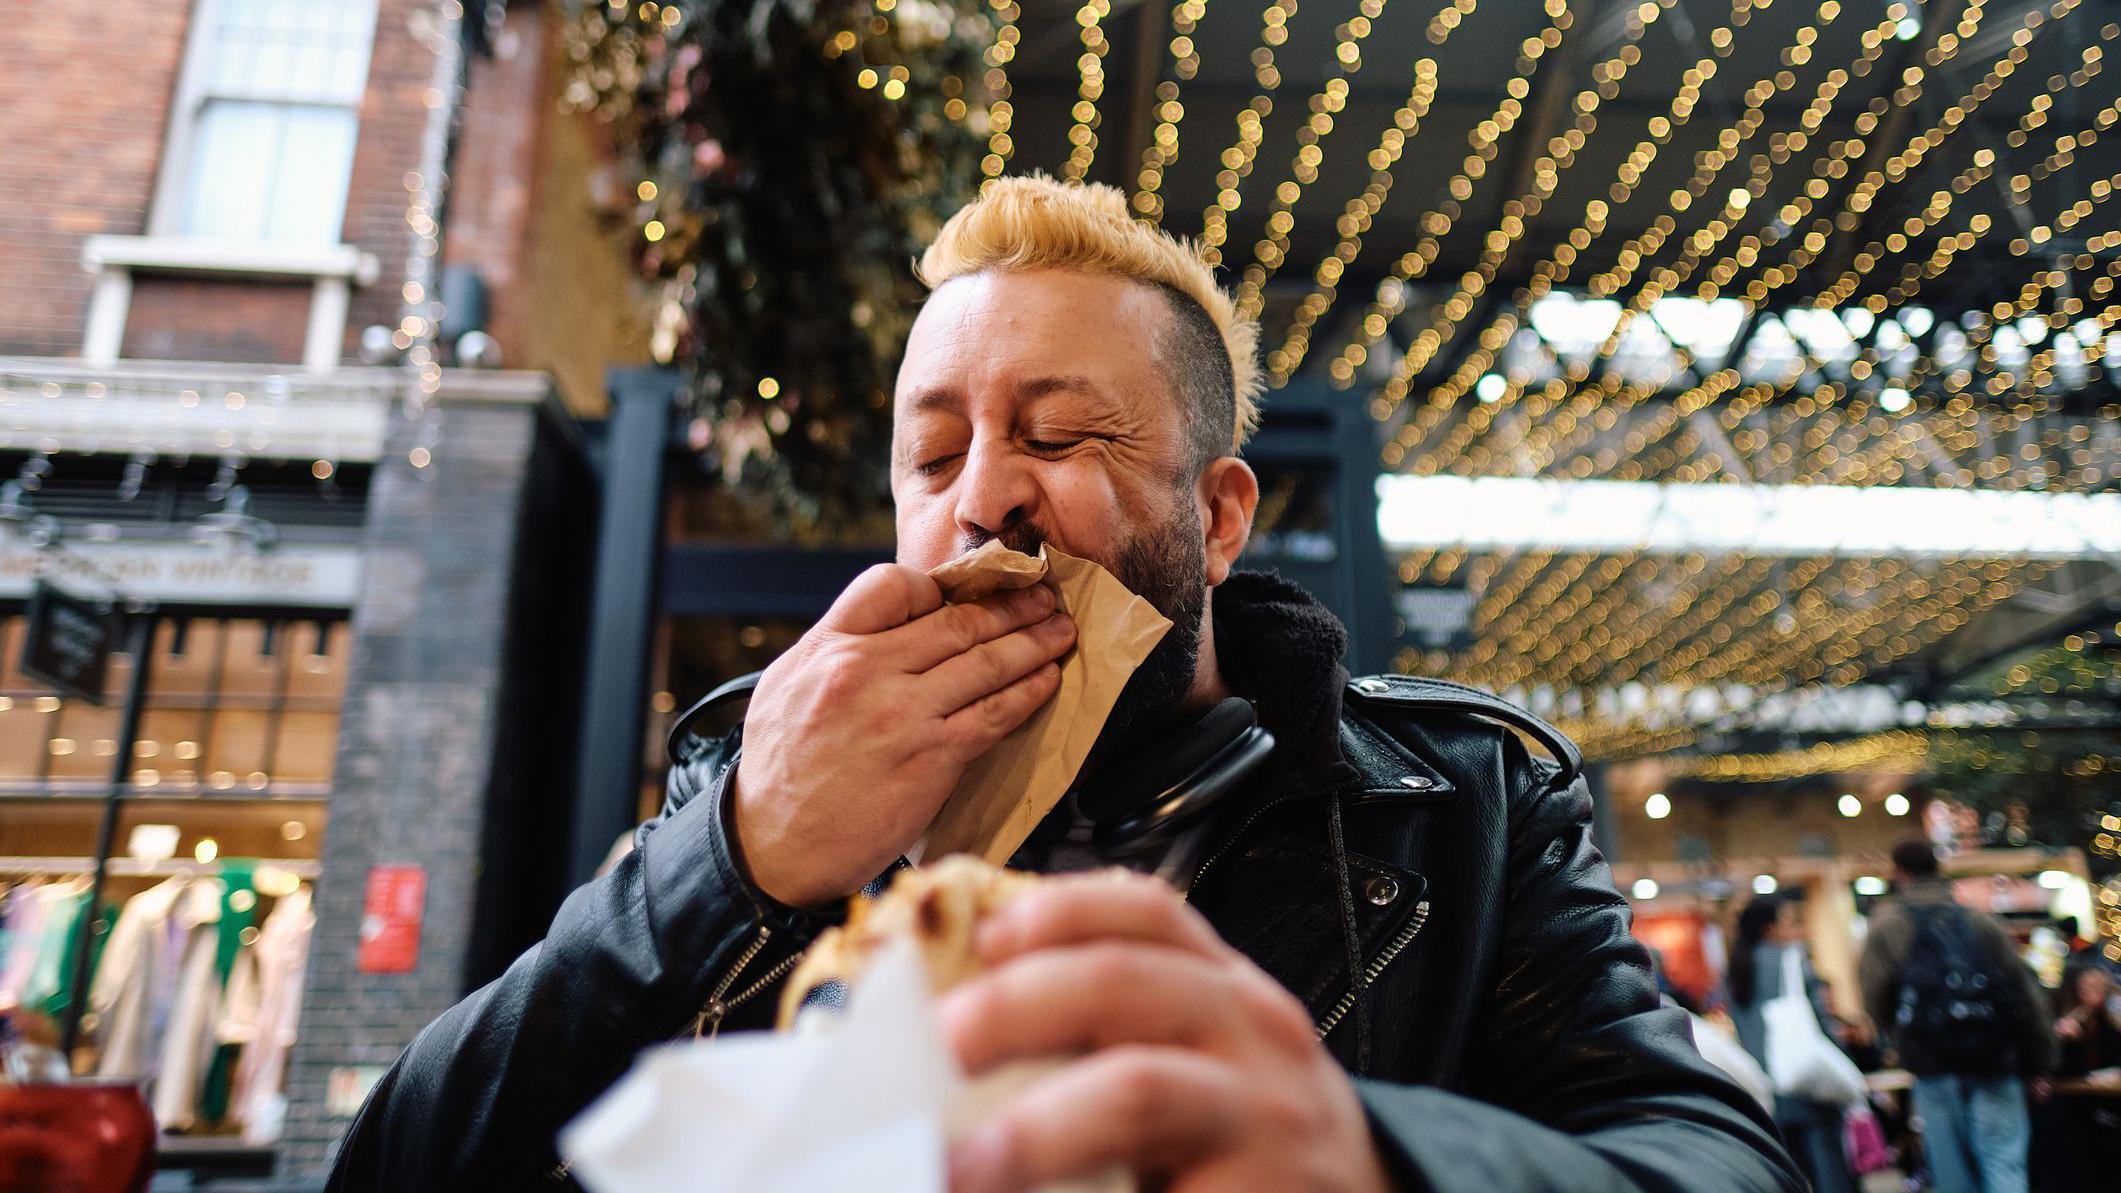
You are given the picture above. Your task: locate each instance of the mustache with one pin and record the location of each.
(1024, 538)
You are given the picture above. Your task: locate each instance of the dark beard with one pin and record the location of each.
(1166, 567)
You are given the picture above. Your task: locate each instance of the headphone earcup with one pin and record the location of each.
(1139, 771)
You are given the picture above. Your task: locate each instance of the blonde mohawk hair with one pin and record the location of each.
(1036, 222)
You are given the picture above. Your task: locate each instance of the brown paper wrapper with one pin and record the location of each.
(1008, 790)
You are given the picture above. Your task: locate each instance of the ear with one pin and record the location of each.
(1229, 493)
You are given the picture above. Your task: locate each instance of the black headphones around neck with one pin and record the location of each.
(1147, 791)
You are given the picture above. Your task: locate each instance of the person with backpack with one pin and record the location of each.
(1968, 1019)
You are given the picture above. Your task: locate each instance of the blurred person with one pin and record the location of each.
(2088, 1033)
(1967, 1018)
(1768, 928)
(1078, 379)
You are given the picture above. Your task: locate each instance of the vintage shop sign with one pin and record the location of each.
(317, 576)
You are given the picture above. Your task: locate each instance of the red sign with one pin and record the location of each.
(390, 923)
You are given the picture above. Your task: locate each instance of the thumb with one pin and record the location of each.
(884, 597)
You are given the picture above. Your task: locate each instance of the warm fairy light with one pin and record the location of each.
(1001, 114)
(1090, 87)
(1238, 158)
(1658, 806)
(1311, 137)
(1162, 151)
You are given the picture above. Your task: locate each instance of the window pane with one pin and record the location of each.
(308, 742)
(250, 676)
(184, 661)
(21, 741)
(84, 741)
(234, 154)
(169, 747)
(236, 756)
(308, 199)
(273, 135)
(317, 670)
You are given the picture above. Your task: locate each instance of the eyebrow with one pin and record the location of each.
(950, 401)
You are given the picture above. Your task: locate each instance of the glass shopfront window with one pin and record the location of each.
(233, 705)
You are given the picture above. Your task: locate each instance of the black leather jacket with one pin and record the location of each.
(1501, 1025)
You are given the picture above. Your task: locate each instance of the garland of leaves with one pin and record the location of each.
(2057, 784)
(792, 157)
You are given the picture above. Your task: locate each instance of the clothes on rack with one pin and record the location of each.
(21, 928)
(50, 987)
(265, 996)
(137, 983)
(186, 994)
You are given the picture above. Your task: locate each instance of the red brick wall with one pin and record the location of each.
(393, 122)
(507, 105)
(82, 121)
(83, 102)
(177, 318)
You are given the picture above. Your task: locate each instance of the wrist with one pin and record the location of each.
(778, 900)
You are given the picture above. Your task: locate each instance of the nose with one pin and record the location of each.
(996, 491)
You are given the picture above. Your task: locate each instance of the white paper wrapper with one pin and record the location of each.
(865, 1102)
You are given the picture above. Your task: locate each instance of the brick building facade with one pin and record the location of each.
(156, 312)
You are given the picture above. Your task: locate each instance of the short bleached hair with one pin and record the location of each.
(1036, 222)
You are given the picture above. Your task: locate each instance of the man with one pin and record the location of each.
(1398, 964)
(1967, 1017)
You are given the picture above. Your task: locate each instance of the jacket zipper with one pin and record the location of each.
(709, 1021)
(1376, 967)
(1235, 837)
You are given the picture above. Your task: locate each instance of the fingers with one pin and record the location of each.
(973, 729)
(882, 598)
(951, 630)
(990, 666)
(1108, 905)
(1059, 1002)
(1140, 1109)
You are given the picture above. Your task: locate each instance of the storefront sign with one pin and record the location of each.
(324, 577)
(390, 920)
(69, 641)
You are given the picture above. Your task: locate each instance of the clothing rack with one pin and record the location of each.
(59, 867)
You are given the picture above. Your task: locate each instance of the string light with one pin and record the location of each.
(1237, 159)
(1560, 152)
(1001, 113)
(1896, 750)
(1162, 151)
(420, 318)
(1311, 137)
(1090, 87)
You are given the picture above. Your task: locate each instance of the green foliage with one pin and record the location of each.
(790, 159)
(2052, 776)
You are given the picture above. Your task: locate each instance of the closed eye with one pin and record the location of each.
(935, 466)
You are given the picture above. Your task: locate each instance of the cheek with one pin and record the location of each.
(1087, 511)
(927, 534)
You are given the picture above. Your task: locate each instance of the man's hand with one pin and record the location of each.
(1193, 1063)
(857, 734)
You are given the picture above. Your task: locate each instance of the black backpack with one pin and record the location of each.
(1958, 1010)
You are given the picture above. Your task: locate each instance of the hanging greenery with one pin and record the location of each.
(2052, 777)
(788, 159)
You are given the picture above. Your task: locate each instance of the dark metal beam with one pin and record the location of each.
(622, 612)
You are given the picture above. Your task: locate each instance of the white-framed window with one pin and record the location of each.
(261, 136)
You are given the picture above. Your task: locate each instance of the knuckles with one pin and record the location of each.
(1272, 1011)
